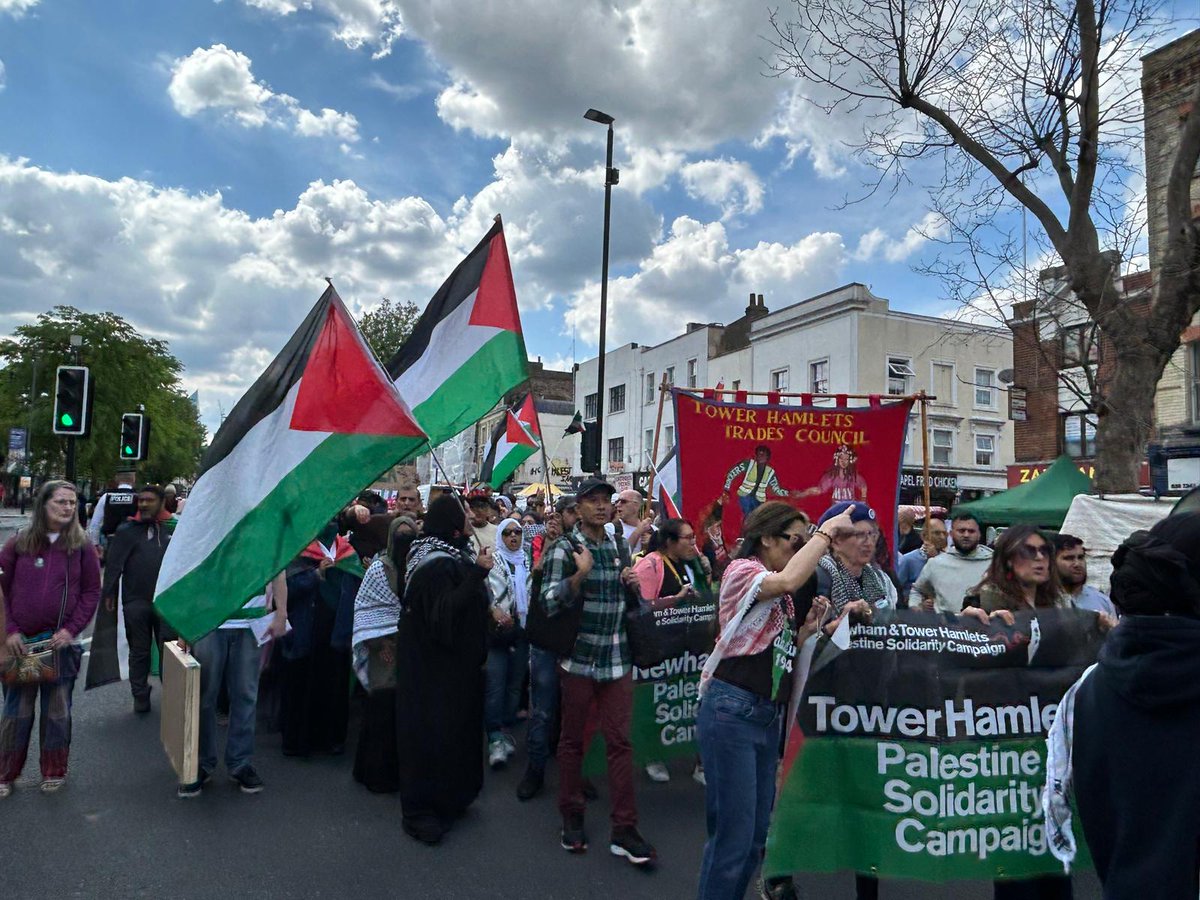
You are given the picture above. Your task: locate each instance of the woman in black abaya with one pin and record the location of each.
(440, 654)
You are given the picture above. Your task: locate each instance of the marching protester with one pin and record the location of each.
(740, 722)
(230, 657)
(441, 648)
(135, 555)
(50, 579)
(669, 575)
(945, 581)
(1021, 575)
(592, 574)
(1070, 558)
(376, 618)
(637, 529)
(508, 648)
(115, 507)
(483, 530)
(408, 502)
(909, 537)
(1126, 732)
(912, 564)
(542, 729)
(847, 575)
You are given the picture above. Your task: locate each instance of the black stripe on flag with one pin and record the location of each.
(462, 283)
(272, 386)
(489, 462)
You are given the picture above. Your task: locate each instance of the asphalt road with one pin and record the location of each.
(117, 830)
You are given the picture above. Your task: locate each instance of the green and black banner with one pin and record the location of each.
(919, 752)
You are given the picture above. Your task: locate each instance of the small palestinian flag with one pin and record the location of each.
(320, 424)
(576, 426)
(528, 416)
(665, 488)
(512, 444)
(466, 351)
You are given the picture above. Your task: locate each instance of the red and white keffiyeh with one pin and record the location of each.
(748, 625)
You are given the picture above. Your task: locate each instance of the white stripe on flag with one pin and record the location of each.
(453, 342)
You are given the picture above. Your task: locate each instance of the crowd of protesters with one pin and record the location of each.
(429, 609)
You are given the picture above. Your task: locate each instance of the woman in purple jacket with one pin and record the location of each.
(50, 576)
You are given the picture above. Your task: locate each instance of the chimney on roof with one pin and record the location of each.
(757, 308)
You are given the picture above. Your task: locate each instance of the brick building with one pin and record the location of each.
(1061, 362)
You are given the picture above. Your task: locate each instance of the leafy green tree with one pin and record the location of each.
(127, 369)
(388, 325)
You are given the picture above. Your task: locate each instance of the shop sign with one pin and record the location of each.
(938, 481)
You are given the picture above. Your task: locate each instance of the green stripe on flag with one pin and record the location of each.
(271, 534)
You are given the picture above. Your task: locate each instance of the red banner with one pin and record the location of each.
(734, 456)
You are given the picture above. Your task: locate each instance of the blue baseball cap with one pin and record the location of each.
(859, 512)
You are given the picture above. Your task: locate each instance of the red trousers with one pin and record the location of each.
(614, 706)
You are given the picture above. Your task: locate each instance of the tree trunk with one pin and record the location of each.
(1127, 414)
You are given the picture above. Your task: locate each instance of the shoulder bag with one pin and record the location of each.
(41, 662)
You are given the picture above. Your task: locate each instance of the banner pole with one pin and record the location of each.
(662, 394)
(461, 504)
(923, 400)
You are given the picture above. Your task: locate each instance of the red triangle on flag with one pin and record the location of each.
(344, 390)
(496, 297)
(516, 433)
(529, 417)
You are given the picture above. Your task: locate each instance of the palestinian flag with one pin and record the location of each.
(320, 424)
(512, 444)
(528, 415)
(466, 351)
(576, 426)
(665, 488)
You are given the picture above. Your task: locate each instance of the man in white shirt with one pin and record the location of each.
(636, 528)
(950, 576)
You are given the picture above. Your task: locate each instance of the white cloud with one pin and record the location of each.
(727, 183)
(3, 80)
(17, 8)
(218, 78)
(356, 23)
(694, 275)
(876, 243)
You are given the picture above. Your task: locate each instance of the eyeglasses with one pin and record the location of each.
(1032, 552)
(510, 533)
(796, 538)
(65, 502)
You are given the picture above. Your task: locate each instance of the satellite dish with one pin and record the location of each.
(1005, 376)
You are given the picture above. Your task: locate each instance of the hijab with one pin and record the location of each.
(517, 564)
(397, 550)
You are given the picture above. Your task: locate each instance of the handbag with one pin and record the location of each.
(41, 663)
(555, 633)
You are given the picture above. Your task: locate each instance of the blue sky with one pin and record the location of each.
(200, 166)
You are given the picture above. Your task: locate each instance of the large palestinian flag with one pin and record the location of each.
(467, 349)
(320, 424)
(513, 442)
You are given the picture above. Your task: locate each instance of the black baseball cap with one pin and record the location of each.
(565, 502)
(591, 485)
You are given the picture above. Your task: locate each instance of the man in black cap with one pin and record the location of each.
(592, 569)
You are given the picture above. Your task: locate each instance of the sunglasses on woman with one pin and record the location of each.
(1032, 551)
(510, 532)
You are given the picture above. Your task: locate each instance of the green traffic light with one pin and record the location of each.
(66, 420)
(128, 451)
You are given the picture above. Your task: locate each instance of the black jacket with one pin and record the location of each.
(135, 554)
(1136, 739)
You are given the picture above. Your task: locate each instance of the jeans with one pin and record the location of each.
(543, 703)
(229, 655)
(504, 679)
(739, 745)
(749, 504)
(143, 626)
(614, 706)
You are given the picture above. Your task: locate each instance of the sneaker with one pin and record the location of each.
(574, 840)
(698, 775)
(628, 843)
(50, 785)
(247, 779)
(497, 754)
(187, 791)
(510, 744)
(531, 784)
(5, 789)
(777, 888)
(141, 705)
(658, 772)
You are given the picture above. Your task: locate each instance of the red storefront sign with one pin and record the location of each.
(1023, 473)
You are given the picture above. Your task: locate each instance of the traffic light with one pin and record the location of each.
(135, 437)
(72, 401)
(589, 448)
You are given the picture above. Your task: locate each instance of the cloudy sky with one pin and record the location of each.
(199, 166)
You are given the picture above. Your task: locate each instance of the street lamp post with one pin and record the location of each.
(611, 176)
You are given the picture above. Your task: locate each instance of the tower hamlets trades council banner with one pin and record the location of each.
(920, 751)
(735, 456)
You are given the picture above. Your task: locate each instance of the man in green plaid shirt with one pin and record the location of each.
(592, 569)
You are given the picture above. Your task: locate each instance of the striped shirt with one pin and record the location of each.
(601, 649)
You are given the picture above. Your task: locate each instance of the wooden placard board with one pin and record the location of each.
(180, 726)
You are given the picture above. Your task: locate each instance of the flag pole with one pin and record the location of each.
(461, 504)
(923, 400)
(662, 393)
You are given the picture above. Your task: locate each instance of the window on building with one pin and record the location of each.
(1080, 344)
(818, 376)
(779, 380)
(985, 449)
(649, 444)
(942, 383)
(616, 450)
(589, 406)
(1079, 435)
(737, 384)
(670, 375)
(669, 437)
(900, 376)
(650, 388)
(616, 398)
(985, 388)
(693, 373)
(942, 441)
